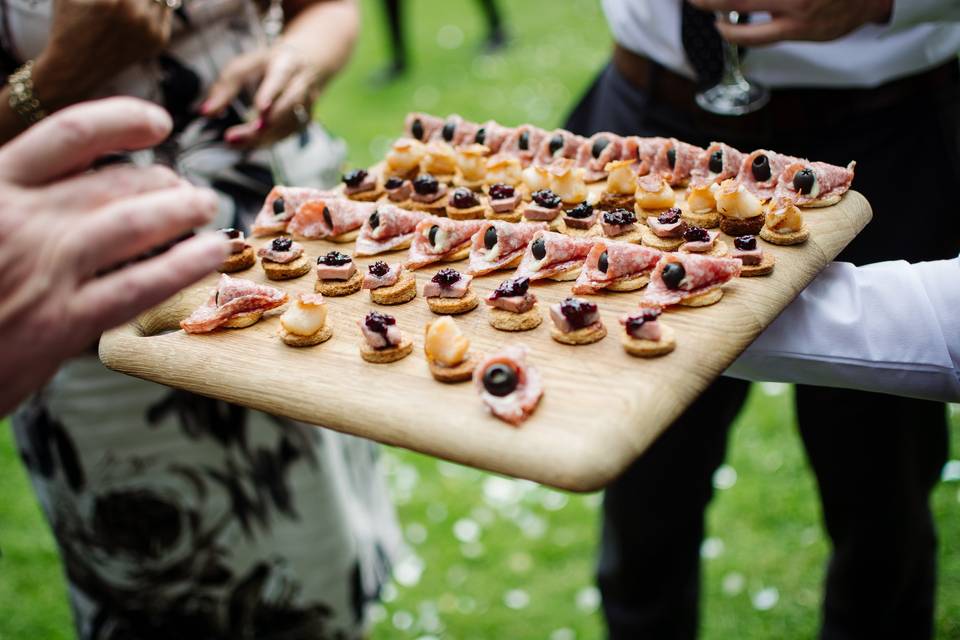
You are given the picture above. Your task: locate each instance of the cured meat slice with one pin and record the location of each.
(327, 217)
(523, 143)
(700, 274)
(684, 156)
(756, 179)
(454, 130)
(274, 216)
(557, 144)
(437, 238)
(623, 260)
(509, 241)
(421, 126)
(492, 135)
(645, 151)
(515, 406)
(231, 297)
(730, 161)
(394, 230)
(596, 152)
(827, 182)
(560, 253)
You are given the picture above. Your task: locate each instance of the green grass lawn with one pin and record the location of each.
(497, 558)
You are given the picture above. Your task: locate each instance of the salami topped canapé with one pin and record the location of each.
(509, 386)
(815, 184)
(436, 239)
(554, 255)
(280, 206)
(500, 245)
(596, 152)
(619, 266)
(716, 163)
(330, 218)
(675, 161)
(388, 228)
(680, 277)
(233, 298)
(760, 170)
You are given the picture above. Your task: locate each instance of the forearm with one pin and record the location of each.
(890, 327)
(908, 13)
(324, 32)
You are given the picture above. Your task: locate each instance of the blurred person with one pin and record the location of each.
(872, 80)
(62, 289)
(177, 515)
(495, 40)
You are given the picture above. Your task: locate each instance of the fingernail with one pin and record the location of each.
(261, 123)
(204, 108)
(159, 120)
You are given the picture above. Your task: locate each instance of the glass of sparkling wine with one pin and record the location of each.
(734, 95)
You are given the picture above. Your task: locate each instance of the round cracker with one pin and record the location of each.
(633, 237)
(817, 204)
(650, 348)
(404, 290)
(473, 213)
(453, 306)
(346, 236)
(293, 340)
(242, 320)
(587, 335)
(785, 239)
(568, 275)
(718, 250)
(460, 373)
(371, 195)
(509, 216)
(630, 284)
(461, 254)
(592, 232)
(708, 220)
(286, 271)
(651, 239)
(765, 267)
(337, 288)
(388, 355)
(509, 321)
(703, 299)
(239, 261)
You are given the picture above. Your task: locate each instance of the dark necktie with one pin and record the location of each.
(702, 44)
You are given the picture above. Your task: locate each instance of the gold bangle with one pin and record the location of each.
(22, 100)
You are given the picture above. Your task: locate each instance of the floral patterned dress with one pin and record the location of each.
(178, 516)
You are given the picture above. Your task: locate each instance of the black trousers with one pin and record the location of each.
(882, 572)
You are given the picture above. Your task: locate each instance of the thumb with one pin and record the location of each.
(232, 79)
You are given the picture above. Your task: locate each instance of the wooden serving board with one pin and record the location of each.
(601, 408)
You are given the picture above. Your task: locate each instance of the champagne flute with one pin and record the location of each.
(734, 95)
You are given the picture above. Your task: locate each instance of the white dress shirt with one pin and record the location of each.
(921, 34)
(890, 327)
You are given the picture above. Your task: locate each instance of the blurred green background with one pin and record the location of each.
(497, 558)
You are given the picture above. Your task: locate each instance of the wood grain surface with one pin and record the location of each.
(601, 408)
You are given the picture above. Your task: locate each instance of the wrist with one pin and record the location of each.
(57, 84)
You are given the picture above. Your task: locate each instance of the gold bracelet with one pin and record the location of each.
(22, 100)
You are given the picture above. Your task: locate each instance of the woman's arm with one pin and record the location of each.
(890, 327)
(90, 42)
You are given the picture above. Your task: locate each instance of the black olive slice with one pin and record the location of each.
(490, 237)
(539, 248)
(556, 143)
(327, 218)
(500, 380)
(671, 157)
(374, 219)
(524, 142)
(673, 274)
(278, 206)
(716, 161)
(761, 168)
(481, 136)
(448, 130)
(804, 180)
(598, 146)
(417, 129)
(604, 262)
(432, 235)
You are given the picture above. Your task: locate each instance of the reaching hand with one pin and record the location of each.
(287, 85)
(61, 226)
(818, 20)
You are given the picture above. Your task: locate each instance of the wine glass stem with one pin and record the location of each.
(731, 53)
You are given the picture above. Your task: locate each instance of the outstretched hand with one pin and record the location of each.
(62, 226)
(818, 20)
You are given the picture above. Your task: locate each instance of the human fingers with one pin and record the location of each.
(242, 135)
(282, 65)
(107, 301)
(232, 80)
(95, 189)
(127, 228)
(70, 140)
(743, 6)
(778, 29)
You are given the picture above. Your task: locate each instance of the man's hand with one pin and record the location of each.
(61, 226)
(818, 20)
(91, 41)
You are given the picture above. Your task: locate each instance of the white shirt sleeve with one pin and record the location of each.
(890, 327)
(909, 13)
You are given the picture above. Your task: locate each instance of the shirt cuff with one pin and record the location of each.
(909, 13)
